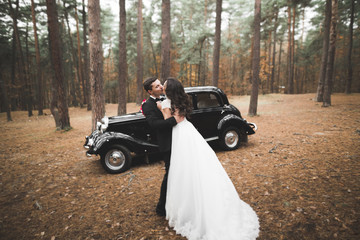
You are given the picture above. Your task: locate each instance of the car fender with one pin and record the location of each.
(133, 144)
(234, 120)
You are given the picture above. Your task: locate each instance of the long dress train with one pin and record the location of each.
(202, 203)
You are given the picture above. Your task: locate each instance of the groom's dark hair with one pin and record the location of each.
(147, 83)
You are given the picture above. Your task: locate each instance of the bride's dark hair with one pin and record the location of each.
(179, 99)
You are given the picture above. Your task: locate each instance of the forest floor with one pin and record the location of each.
(300, 172)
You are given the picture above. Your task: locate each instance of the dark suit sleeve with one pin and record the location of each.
(155, 119)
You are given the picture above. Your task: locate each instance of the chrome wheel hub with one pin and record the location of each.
(115, 159)
(231, 139)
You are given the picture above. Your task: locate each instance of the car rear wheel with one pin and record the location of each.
(230, 138)
(116, 159)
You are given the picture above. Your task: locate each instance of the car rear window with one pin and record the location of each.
(206, 100)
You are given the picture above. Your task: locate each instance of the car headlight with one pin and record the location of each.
(90, 142)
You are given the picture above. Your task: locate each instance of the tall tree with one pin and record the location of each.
(320, 89)
(80, 65)
(139, 57)
(86, 58)
(22, 65)
(255, 60)
(4, 56)
(96, 62)
(216, 54)
(165, 40)
(331, 55)
(290, 79)
(75, 85)
(40, 94)
(274, 50)
(350, 71)
(122, 60)
(56, 60)
(293, 50)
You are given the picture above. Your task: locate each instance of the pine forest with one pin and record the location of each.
(74, 53)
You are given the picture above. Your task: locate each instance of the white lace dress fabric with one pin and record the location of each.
(201, 202)
(166, 103)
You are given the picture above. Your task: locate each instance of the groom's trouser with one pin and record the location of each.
(162, 200)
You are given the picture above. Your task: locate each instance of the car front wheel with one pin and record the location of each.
(230, 138)
(116, 159)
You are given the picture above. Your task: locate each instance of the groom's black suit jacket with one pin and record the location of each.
(156, 121)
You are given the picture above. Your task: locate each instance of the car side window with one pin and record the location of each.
(206, 100)
(191, 96)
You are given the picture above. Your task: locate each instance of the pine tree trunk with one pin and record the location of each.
(75, 85)
(274, 53)
(40, 93)
(139, 58)
(56, 59)
(255, 60)
(350, 72)
(331, 56)
(293, 76)
(165, 40)
(290, 86)
(28, 83)
(201, 79)
(23, 72)
(279, 69)
(86, 58)
(80, 70)
(216, 54)
(301, 78)
(320, 89)
(122, 60)
(96, 62)
(203, 54)
(54, 103)
(268, 77)
(152, 51)
(4, 97)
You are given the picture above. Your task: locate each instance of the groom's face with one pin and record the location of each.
(157, 88)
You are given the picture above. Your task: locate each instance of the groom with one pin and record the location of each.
(163, 130)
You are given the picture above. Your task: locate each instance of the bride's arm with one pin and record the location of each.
(165, 108)
(166, 111)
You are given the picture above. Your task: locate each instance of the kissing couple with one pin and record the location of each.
(197, 196)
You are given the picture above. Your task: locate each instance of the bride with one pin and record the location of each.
(201, 201)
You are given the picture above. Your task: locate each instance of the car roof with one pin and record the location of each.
(202, 89)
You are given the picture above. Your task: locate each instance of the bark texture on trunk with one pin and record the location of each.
(350, 71)
(96, 63)
(122, 60)
(331, 56)
(255, 60)
(165, 40)
(216, 54)
(56, 59)
(320, 89)
(139, 58)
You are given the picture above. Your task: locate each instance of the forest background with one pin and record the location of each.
(296, 38)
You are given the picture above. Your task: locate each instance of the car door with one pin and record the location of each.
(206, 114)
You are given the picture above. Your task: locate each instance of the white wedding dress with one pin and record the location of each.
(201, 202)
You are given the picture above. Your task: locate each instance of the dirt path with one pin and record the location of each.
(300, 172)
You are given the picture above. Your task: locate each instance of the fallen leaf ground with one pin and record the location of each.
(300, 172)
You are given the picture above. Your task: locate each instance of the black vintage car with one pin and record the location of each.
(213, 116)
